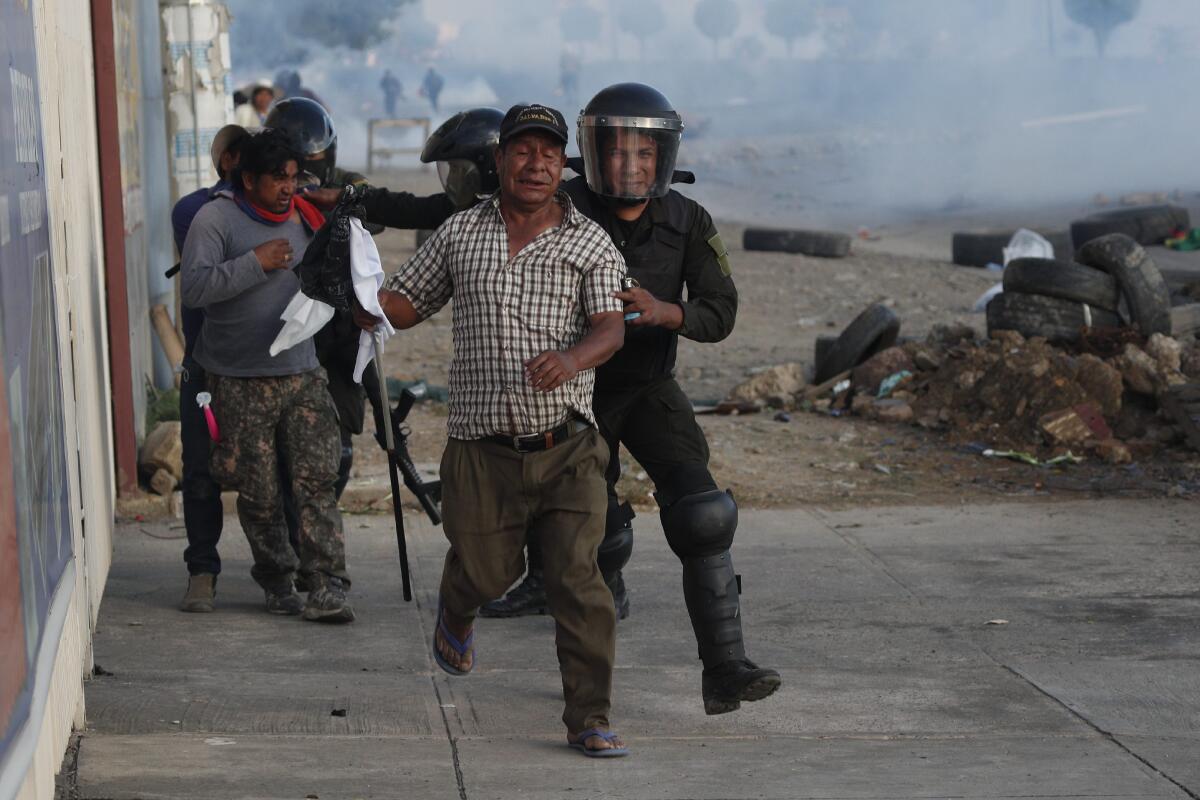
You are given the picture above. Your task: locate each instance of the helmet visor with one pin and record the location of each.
(628, 161)
(461, 181)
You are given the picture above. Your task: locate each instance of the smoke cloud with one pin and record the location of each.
(802, 111)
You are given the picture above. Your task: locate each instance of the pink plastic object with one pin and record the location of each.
(204, 400)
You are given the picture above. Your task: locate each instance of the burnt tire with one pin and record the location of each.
(1065, 280)
(1143, 224)
(980, 248)
(821, 348)
(875, 329)
(823, 244)
(1051, 317)
(1140, 282)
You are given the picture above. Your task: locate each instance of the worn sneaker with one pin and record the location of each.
(327, 601)
(286, 603)
(301, 582)
(201, 590)
(726, 685)
(616, 585)
(525, 599)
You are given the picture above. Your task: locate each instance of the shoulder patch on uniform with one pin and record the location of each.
(722, 253)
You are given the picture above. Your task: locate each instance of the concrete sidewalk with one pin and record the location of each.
(895, 685)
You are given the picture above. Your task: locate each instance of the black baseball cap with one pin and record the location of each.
(534, 116)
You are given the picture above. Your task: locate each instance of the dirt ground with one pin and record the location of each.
(786, 301)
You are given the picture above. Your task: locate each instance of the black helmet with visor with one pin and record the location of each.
(629, 138)
(463, 147)
(312, 133)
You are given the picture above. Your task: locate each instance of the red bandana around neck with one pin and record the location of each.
(310, 214)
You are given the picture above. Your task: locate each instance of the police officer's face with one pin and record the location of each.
(272, 191)
(630, 162)
(530, 168)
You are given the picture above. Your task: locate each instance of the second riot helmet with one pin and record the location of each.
(312, 134)
(463, 147)
(629, 137)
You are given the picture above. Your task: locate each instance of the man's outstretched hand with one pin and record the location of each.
(549, 370)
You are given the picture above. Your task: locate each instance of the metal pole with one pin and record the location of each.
(389, 440)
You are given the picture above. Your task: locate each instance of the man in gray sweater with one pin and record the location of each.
(237, 266)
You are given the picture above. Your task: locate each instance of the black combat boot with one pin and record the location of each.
(525, 599)
(710, 588)
(726, 685)
(616, 585)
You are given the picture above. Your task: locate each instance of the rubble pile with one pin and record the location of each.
(1012, 393)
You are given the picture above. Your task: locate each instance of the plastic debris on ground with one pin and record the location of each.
(1032, 460)
(986, 297)
(1027, 244)
(891, 382)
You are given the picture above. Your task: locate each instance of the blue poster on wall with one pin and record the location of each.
(35, 527)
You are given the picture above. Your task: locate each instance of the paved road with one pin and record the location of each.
(895, 685)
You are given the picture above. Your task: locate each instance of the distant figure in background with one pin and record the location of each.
(393, 89)
(254, 113)
(288, 85)
(431, 87)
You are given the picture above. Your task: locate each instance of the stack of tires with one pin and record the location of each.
(1111, 283)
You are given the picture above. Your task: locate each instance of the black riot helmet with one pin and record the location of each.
(629, 137)
(463, 147)
(312, 134)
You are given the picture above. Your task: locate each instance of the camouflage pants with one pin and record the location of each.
(266, 420)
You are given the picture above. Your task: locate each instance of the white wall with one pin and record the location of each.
(67, 90)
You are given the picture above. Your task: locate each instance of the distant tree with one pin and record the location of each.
(1102, 16)
(307, 26)
(790, 20)
(642, 19)
(580, 24)
(716, 19)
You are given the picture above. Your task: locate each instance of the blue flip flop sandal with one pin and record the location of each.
(462, 648)
(580, 744)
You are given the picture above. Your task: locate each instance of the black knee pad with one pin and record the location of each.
(701, 524)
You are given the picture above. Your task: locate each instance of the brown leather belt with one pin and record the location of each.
(536, 442)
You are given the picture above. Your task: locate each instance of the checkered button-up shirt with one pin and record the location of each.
(506, 311)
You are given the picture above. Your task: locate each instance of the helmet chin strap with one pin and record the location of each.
(625, 202)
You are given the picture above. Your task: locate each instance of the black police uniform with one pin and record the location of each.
(673, 244)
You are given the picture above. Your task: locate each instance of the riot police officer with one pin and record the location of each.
(314, 135)
(629, 137)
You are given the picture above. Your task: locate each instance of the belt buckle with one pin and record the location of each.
(516, 442)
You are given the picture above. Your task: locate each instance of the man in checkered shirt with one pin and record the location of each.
(533, 282)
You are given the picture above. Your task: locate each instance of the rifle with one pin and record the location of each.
(428, 493)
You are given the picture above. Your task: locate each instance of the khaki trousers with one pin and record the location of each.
(492, 495)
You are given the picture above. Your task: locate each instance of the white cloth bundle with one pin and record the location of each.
(304, 316)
